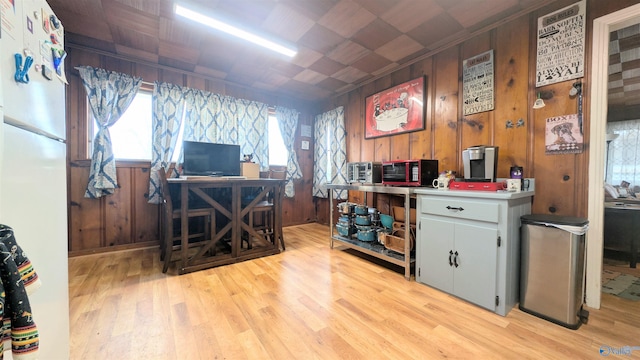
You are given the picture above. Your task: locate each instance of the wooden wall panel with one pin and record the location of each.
(555, 175)
(445, 110)
(118, 210)
(85, 215)
(511, 102)
(420, 144)
(475, 129)
(146, 219)
(398, 149)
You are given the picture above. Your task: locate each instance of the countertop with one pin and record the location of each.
(499, 195)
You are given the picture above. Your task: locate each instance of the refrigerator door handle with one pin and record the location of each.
(19, 124)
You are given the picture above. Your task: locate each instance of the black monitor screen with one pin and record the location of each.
(211, 159)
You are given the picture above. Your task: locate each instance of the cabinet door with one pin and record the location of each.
(475, 277)
(436, 241)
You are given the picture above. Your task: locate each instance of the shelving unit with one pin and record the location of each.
(373, 248)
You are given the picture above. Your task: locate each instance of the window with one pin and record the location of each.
(278, 153)
(131, 134)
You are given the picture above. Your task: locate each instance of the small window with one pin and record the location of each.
(278, 153)
(131, 134)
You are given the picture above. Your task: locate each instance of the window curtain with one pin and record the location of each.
(330, 153)
(224, 119)
(288, 123)
(168, 112)
(623, 159)
(110, 94)
(200, 118)
(253, 129)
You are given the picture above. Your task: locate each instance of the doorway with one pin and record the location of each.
(602, 27)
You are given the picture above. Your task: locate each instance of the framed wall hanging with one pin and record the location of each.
(396, 110)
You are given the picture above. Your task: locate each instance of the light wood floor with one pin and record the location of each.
(309, 302)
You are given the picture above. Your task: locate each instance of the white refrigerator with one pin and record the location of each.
(33, 175)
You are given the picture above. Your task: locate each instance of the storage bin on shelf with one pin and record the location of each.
(395, 241)
(398, 214)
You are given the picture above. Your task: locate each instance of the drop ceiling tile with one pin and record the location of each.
(326, 66)
(126, 17)
(386, 69)
(350, 75)
(137, 53)
(309, 77)
(135, 40)
(313, 9)
(210, 72)
(331, 84)
(186, 53)
(151, 7)
(377, 7)
(376, 34)
(287, 69)
(399, 48)
(371, 62)
(431, 32)
(348, 52)
(346, 18)
(408, 14)
(287, 24)
(175, 63)
(469, 13)
(179, 32)
(321, 39)
(305, 57)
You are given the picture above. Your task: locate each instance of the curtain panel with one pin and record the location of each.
(168, 103)
(330, 153)
(110, 94)
(623, 157)
(288, 124)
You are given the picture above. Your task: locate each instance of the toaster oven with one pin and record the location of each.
(364, 172)
(409, 172)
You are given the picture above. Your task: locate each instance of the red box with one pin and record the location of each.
(476, 185)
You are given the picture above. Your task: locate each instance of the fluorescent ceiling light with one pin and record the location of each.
(232, 30)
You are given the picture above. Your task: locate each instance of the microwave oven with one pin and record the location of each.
(409, 172)
(364, 172)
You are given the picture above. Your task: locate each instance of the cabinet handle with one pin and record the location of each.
(450, 255)
(455, 259)
(454, 208)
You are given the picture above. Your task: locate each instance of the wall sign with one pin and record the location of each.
(477, 83)
(560, 54)
(396, 110)
(562, 135)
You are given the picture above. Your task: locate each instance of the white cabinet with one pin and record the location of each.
(468, 245)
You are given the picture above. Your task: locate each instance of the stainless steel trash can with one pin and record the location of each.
(552, 268)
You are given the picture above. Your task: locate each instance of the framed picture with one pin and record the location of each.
(396, 110)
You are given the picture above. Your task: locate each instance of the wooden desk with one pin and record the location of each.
(622, 229)
(232, 209)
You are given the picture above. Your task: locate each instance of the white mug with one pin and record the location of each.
(441, 183)
(514, 185)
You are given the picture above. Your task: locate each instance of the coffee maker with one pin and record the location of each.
(480, 163)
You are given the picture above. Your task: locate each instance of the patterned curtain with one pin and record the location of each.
(623, 159)
(168, 110)
(330, 153)
(288, 123)
(224, 119)
(110, 94)
(253, 135)
(200, 118)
